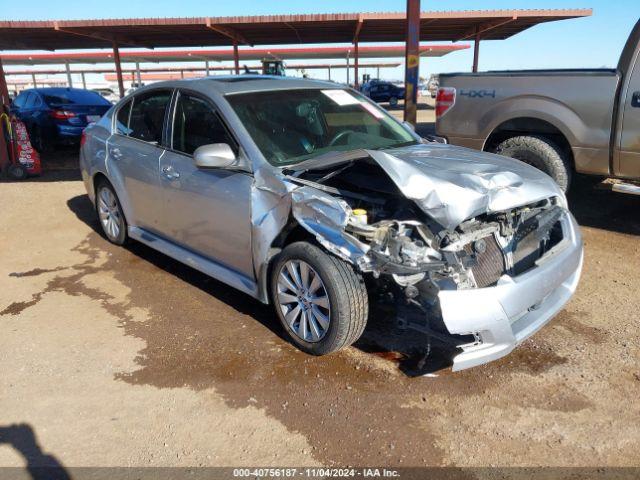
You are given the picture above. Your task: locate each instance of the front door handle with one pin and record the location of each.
(116, 153)
(635, 99)
(170, 173)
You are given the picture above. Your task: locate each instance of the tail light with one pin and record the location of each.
(83, 138)
(61, 114)
(445, 99)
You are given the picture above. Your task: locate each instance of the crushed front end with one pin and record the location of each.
(483, 286)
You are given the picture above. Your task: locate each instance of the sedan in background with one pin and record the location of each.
(380, 91)
(56, 116)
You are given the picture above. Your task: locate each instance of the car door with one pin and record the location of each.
(207, 211)
(133, 153)
(629, 135)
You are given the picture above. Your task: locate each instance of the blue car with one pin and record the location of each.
(381, 91)
(55, 116)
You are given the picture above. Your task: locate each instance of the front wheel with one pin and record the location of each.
(393, 101)
(541, 153)
(320, 300)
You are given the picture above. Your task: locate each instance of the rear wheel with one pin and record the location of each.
(539, 152)
(17, 172)
(393, 101)
(320, 300)
(110, 213)
(38, 141)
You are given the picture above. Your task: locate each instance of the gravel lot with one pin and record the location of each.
(123, 357)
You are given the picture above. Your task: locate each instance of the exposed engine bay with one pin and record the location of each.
(402, 241)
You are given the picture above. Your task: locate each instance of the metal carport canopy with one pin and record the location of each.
(271, 29)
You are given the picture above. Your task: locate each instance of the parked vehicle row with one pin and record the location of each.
(311, 197)
(55, 116)
(560, 121)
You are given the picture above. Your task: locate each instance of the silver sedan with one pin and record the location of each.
(308, 196)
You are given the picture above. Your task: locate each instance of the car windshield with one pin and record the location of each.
(290, 126)
(73, 97)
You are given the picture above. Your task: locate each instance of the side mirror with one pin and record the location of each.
(215, 155)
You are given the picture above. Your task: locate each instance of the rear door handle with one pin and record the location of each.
(170, 173)
(635, 99)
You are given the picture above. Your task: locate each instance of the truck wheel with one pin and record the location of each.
(541, 153)
(320, 300)
(110, 214)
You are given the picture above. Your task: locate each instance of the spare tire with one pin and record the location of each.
(539, 152)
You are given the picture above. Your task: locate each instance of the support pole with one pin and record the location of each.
(33, 80)
(412, 61)
(138, 76)
(206, 67)
(348, 69)
(476, 50)
(84, 81)
(236, 57)
(69, 79)
(4, 104)
(356, 82)
(329, 71)
(378, 72)
(116, 59)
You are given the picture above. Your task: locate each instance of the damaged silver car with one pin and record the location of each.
(308, 196)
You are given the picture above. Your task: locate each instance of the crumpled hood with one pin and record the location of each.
(452, 184)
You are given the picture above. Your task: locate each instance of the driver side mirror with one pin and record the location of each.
(215, 155)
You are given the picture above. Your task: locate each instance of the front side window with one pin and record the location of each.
(196, 124)
(147, 115)
(289, 126)
(30, 100)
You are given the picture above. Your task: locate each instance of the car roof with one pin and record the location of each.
(230, 84)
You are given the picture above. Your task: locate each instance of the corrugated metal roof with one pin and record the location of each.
(271, 29)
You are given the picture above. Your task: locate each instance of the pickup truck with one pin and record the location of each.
(560, 121)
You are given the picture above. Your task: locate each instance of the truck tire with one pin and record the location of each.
(320, 299)
(539, 152)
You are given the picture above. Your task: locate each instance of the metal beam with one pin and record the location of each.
(476, 51)
(4, 104)
(412, 61)
(236, 58)
(139, 78)
(84, 80)
(107, 38)
(228, 32)
(69, 79)
(33, 80)
(485, 27)
(116, 60)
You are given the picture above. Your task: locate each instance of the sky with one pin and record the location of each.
(591, 42)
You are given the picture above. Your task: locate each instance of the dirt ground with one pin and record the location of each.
(123, 357)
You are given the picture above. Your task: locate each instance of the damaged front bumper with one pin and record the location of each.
(503, 316)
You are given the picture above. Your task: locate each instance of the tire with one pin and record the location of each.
(17, 172)
(38, 142)
(393, 101)
(110, 214)
(345, 312)
(539, 152)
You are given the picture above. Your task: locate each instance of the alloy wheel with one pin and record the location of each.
(109, 213)
(303, 301)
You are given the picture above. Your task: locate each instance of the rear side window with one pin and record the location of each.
(30, 100)
(196, 124)
(56, 98)
(147, 115)
(122, 119)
